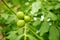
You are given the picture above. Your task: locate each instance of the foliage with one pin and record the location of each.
(44, 24)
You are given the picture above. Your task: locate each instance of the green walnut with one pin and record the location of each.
(27, 18)
(20, 23)
(20, 15)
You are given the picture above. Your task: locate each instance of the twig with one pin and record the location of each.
(25, 33)
(8, 6)
(36, 34)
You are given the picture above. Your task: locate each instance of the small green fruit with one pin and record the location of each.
(27, 18)
(20, 15)
(20, 23)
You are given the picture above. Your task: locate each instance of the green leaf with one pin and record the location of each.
(44, 28)
(53, 33)
(15, 1)
(12, 18)
(12, 35)
(20, 31)
(57, 6)
(6, 29)
(36, 23)
(19, 37)
(4, 15)
(36, 6)
(52, 16)
(31, 37)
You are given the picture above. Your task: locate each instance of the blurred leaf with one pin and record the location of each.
(36, 6)
(31, 37)
(6, 29)
(47, 5)
(53, 33)
(19, 37)
(36, 23)
(11, 19)
(52, 16)
(20, 31)
(57, 6)
(15, 2)
(12, 35)
(4, 15)
(44, 28)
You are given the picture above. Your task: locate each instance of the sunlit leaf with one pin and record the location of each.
(36, 6)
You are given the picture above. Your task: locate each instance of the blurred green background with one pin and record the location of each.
(45, 24)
